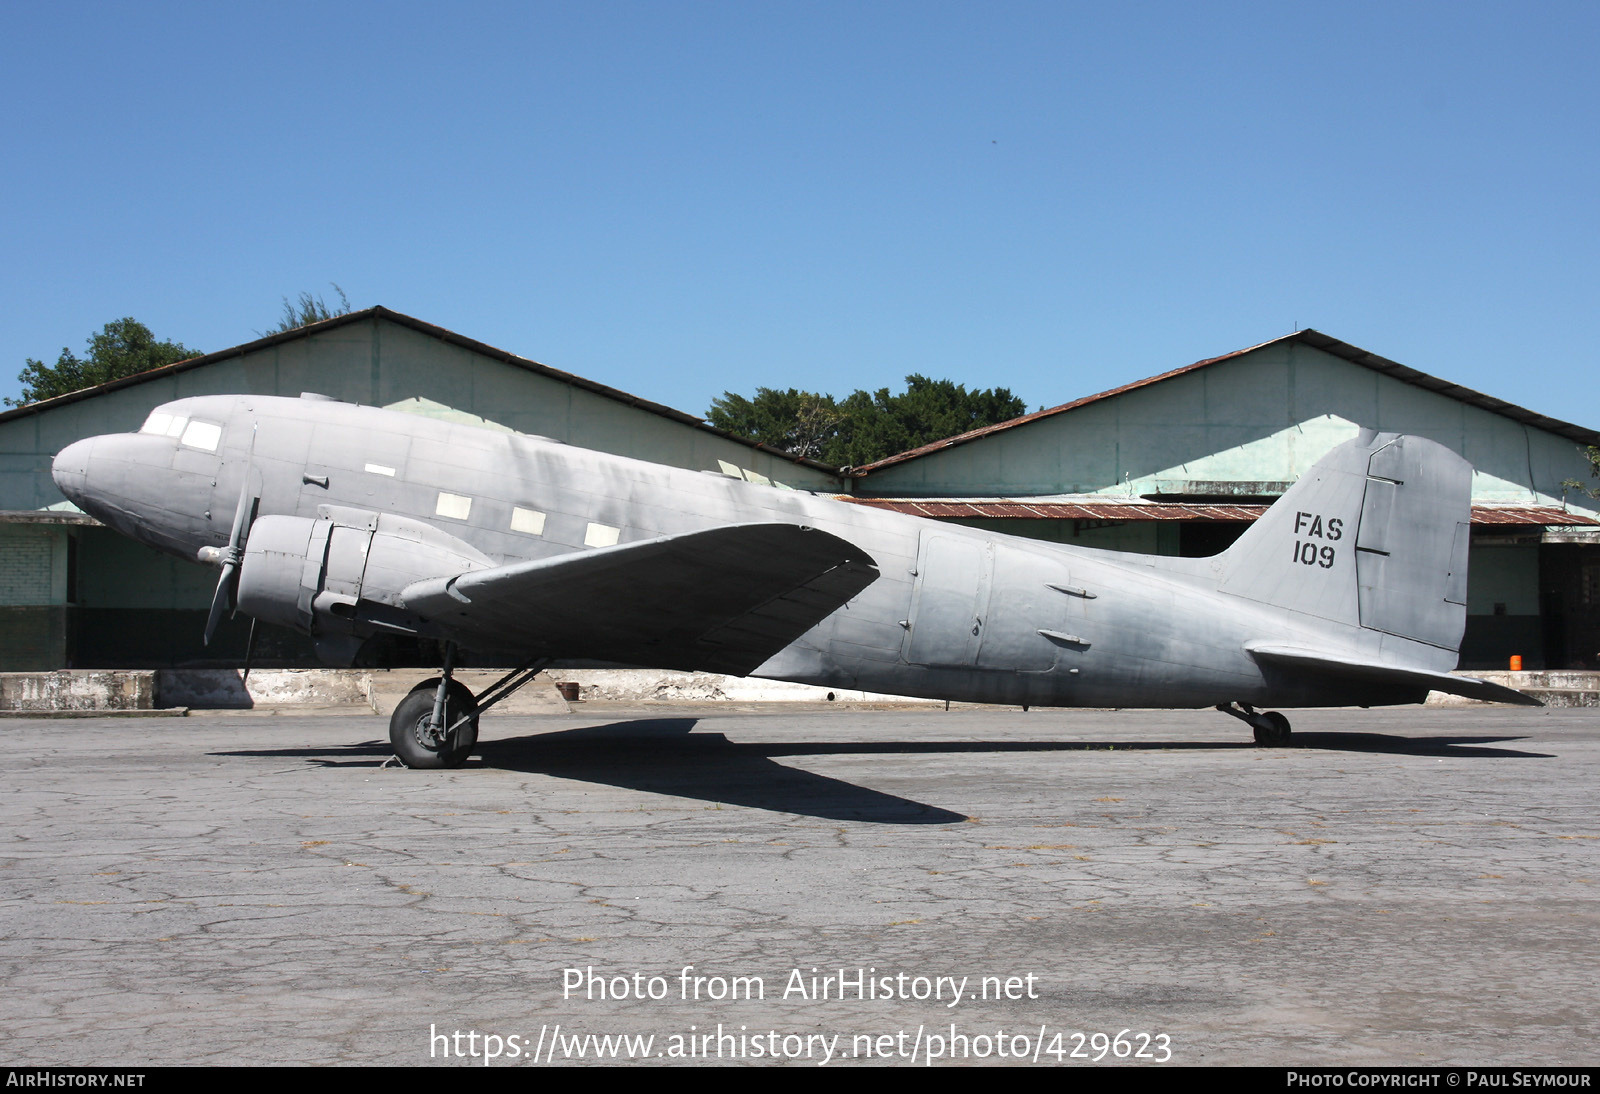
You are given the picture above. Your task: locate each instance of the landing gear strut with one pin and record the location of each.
(1271, 728)
(436, 724)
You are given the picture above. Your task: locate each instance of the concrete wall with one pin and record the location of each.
(77, 691)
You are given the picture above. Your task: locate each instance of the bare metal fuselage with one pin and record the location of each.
(956, 613)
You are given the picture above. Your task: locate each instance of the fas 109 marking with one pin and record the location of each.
(1314, 525)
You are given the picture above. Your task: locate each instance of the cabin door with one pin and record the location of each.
(950, 601)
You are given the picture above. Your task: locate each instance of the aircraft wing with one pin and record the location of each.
(1376, 672)
(720, 600)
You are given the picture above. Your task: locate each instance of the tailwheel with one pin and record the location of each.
(432, 730)
(1271, 729)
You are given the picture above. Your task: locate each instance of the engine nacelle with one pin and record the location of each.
(342, 573)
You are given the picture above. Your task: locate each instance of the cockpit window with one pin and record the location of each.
(202, 435)
(164, 425)
(189, 431)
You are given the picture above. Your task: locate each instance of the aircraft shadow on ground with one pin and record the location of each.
(663, 756)
(1452, 746)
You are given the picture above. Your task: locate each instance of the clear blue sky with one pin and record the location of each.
(684, 198)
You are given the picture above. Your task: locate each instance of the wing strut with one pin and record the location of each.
(508, 684)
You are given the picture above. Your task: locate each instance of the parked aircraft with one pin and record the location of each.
(348, 522)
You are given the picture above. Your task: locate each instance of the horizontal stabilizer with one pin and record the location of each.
(720, 600)
(1338, 665)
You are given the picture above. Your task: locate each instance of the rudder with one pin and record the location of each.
(1411, 549)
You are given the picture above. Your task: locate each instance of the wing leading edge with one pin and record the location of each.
(721, 600)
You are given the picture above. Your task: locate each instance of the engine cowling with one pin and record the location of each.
(342, 573)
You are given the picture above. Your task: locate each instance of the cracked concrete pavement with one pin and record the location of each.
(1412, 886)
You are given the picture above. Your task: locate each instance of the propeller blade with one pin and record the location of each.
(222, 600)
(244, 515)
(249, 651)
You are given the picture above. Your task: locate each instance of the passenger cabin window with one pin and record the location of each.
(454, 506)
(530, 521)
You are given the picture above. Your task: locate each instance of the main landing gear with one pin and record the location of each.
(436, 724)
(1270, 727)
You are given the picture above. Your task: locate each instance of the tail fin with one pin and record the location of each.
(1373, 536)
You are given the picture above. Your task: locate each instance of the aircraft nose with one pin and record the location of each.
(71, 468)
(101, 475)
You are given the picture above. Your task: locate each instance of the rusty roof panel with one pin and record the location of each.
(1010, 509)
(1528, 514)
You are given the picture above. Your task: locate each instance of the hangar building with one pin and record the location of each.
(1176, 464)
(1180, 463)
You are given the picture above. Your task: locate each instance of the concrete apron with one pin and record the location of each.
(376, 691)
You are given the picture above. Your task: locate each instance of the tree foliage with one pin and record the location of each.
(863, 426)
(801, 423)
(122, 348)
(307, 309)
(1592, 454)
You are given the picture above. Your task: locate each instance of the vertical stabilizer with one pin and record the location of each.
(1374, 536)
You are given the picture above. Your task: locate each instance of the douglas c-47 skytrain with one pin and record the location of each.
(346, 522)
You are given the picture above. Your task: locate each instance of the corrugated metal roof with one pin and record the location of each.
(1087, 509)
(1527, 514)
(1315, 339)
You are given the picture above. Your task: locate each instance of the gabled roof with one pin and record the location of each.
(1308, 337)
(443, 335)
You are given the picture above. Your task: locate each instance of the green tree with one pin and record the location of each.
(864, 426)
(307, 309)
(798, 422)
(122, 348)
(884, 423)
(1592, 454)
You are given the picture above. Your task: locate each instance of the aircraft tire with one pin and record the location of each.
(1272, 731)
(408, 726)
